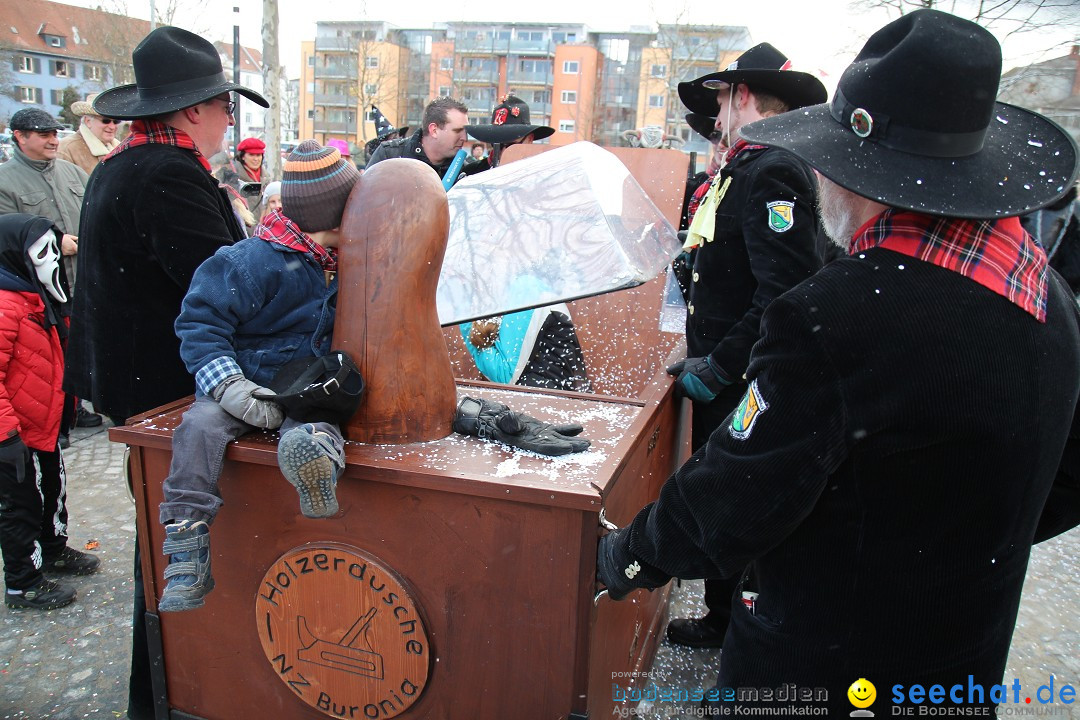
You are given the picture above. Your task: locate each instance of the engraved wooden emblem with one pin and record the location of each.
(342, 631)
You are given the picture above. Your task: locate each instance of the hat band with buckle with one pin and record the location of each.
(181, 87)
(878, 128)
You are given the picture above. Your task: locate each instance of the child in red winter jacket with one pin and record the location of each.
(33, 492)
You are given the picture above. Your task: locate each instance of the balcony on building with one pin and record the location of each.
(536, 77)
(323, 126)
(344, 71)
(335, 99)
(339, 44)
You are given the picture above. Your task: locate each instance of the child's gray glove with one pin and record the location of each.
(235, 395)
(490, 420)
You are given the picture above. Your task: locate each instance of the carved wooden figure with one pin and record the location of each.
(393, 240)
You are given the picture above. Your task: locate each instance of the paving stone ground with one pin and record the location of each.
(72, 663)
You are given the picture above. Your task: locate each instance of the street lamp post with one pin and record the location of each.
(236, 76)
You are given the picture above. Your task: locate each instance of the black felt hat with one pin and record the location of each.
(322, 389)
(703, 125)
(763, 68)
(914, 125)
(174, 69)
(509, 123)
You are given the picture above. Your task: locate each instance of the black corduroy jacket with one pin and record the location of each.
(908, 435)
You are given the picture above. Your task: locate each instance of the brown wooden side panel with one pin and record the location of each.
(497, 584)
(624, 634)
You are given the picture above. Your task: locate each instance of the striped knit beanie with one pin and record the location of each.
(315, 186)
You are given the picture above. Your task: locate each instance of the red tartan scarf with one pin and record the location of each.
(151, 132)
(739, 147)
(276, 228)
(997, 254)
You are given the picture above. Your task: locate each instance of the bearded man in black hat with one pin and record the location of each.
(910, 425)
(754, 235)
(152, 214)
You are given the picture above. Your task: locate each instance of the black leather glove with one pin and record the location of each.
(14, 451)
(698, 379)
(619, 571)
(492, 421)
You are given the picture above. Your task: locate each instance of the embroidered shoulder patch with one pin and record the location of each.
(781, 215)
(747, 413)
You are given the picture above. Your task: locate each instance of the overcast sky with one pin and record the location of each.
(816, 34)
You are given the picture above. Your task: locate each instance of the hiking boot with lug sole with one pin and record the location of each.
(305, 459)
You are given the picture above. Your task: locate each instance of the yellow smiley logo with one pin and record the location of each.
(862, 693)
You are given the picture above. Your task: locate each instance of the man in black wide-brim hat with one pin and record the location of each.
(910, 424)
(152, 213)
(753, 236)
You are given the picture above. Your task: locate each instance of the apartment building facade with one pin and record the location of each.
(587, 85)
(46, 47)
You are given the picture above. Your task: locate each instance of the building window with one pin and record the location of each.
(26, 64)
(502, 34)
(29, 94)
(656, 101)
(61, 68)
(311, 61)
(560, 38)
(54, 41)
(658, 71)
(541, 96)
(569, 97)
(571, 67)
(56, 96)
(311, 114)
(444, 91)
(92, 72)
(566, 126)
(372, 61)
(371, 89)
(446, 63)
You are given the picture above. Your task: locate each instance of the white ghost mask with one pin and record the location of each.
(46, 258)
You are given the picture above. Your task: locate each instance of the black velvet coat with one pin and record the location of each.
(152, 214)
(914, 434)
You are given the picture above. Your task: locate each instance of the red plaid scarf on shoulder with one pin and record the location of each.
(276, 228)
(152, 132)
(997, 254)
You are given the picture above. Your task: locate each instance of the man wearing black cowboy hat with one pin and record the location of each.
(910, 427)
(152, 214)
(753, 236)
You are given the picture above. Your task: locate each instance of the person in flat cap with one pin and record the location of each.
(152, 214)
(754, 235)
(95, 139)
(909, 427)
(252, 309)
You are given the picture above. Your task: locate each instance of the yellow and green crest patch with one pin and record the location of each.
(781, 215)
(750, 409)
